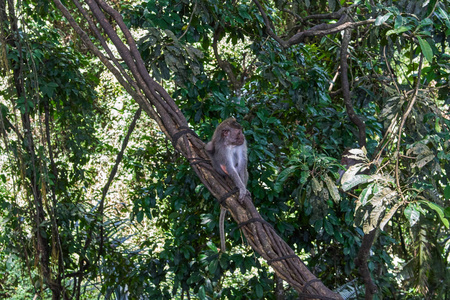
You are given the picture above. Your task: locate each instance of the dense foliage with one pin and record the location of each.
(75, 226)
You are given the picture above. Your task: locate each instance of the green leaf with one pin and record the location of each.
(284, 175)
(365, 194)
(412, 214)
(259, 291)
(171, 35)
(243, 12)
(196, 277)
(354, 181)
(444, 16)
(318, 225)
(213, 266)
(425, 22)
(439, 211)
(381, 19)
(212, 246)
(399, 21)
(447, 212)
(398, 30)
(332, 188)
(426, 49)
(447, 192)
(140, 216)
(338, 235)
(202, 293)
(328, 227)
(437, 125)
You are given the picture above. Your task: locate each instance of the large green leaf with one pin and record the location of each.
(426, 49)
(439, 210)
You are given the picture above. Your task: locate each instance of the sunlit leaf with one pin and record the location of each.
(422, 162)
(349, 181)
(372, 222)
(381, 19)
(389, 215)
(332, 188)
(439, 211)
(365, 194)
(212, 246)
(412, 214)
(383, 197)
(398, 30)
(316, 185)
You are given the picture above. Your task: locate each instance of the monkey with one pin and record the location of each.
(228, 152)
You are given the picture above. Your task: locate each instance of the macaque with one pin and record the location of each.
(228, 153)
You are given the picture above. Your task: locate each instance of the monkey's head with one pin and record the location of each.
(231, 132)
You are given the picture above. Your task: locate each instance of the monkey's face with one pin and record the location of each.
(233, 136)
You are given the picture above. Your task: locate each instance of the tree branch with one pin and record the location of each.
(225, 65)
(113, 173)
(318, 30)
(400, 128)
(361, 263)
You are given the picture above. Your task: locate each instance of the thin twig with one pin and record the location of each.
(400, 129)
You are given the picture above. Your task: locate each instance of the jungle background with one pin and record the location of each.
(97, 202)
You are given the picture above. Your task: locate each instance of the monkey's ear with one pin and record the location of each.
(225, 132)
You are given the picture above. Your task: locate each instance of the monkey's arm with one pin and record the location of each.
(232, 172)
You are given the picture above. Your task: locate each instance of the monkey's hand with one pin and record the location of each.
(242, 193)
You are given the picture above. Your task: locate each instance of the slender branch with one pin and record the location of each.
(318, 30)
(334, 28)
(391, 74)
(269, 26)
(190, 21)
(113, 174)
(225, 65)
(400, 128)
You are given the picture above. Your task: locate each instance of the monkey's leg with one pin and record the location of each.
(223, 212)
